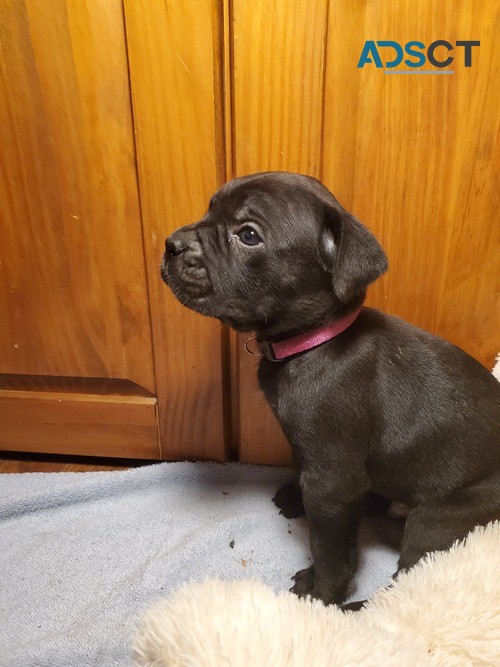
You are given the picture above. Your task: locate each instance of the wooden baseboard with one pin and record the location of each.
(81, 424)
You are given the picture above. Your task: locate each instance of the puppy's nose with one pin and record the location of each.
(175, 246)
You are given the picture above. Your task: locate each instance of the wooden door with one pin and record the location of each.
(93, 358)
(175, 75)
(414, 157)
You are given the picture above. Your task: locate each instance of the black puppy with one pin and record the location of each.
(383, 407)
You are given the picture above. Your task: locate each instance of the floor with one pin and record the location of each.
(19, 462)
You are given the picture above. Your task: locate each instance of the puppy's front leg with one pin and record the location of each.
(333, 516)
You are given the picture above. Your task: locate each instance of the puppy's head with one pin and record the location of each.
(274, 253)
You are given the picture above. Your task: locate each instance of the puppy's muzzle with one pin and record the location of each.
(175, 246)
(183, 264)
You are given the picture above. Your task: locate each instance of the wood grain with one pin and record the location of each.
(345, 37)
(72, 275)
(468, 312)
(278, 48)
(93, 425)
(21, 463)
(422, 166)
(278, 51)
(71, 385)
(175, 73)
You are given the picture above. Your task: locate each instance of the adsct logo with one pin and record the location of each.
(387, 54)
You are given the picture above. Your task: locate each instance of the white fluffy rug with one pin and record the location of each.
(444, 612)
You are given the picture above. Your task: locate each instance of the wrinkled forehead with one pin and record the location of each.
(267, 201)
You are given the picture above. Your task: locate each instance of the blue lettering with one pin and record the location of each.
(370, 48)
(411, 52)
(399, 53)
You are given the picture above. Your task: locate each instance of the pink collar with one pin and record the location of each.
(302, 342)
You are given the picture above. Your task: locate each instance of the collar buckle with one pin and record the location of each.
(266, 350)
(260, 349)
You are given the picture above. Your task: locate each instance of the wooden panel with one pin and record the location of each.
(16, 463)
(468, 312)
(341, 97)
(175, 71)
(121, 426)
(278, 48)
(419, 169)
(278, 51)
(71, 385)
(72, 275)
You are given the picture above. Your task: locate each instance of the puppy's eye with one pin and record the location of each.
(249, 236)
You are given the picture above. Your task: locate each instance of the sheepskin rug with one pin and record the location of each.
(444, 612)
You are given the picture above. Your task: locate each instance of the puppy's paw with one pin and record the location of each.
(304, 582)
(333, 591)
(289, 500)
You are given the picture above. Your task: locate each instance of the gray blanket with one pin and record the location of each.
(83, 554)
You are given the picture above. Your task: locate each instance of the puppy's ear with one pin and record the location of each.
(351, 252)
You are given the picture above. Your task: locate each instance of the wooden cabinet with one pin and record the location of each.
(118, 120)
(96, 357)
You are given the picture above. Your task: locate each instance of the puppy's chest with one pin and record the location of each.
(268, 376)
(293, 398)
(278, 380)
